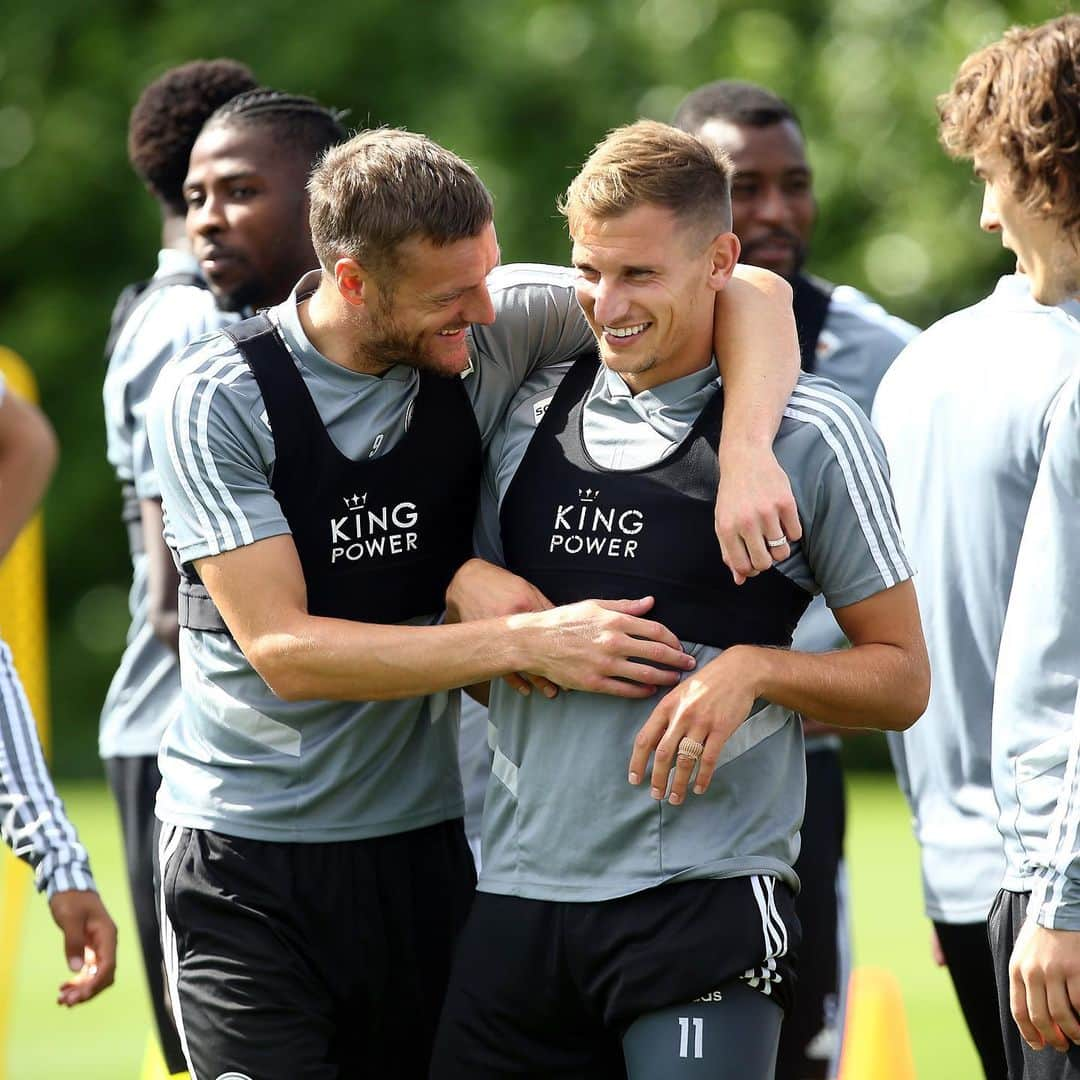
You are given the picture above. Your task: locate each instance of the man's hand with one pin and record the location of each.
(89, 944)
(603, 646)
(706, 707)
(482, 590)
(1044, 986)
(754, 504)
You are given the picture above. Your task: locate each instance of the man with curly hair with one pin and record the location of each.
(154, 320)
(965, 436)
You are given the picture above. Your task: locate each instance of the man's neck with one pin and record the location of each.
(174, 233)
(333, 335)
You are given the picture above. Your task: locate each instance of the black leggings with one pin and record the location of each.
(734, 1038)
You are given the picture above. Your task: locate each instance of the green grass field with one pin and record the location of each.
(106, 1038)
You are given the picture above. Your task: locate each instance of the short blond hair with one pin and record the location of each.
(383, 187)
(1020, 97)
(652, 163)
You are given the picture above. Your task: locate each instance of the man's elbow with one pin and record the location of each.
(766, 282)
(277, 660)
(913, 692)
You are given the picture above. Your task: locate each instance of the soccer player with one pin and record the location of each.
(319, 468)
(965, 434)
(616, 921)
(1014, 108)
(34, 824)
(846, 337)
(154, 322)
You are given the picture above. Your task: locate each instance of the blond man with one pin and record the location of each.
(649, 931)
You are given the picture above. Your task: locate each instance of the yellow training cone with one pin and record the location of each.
(876, 1041)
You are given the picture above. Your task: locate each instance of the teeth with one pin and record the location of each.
(625, 331)
(447, 333)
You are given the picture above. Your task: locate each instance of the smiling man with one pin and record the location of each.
(965, 413)
(621, 930)
(320, 465)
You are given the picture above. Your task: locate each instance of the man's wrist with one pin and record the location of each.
(747, 443)
(757, 666)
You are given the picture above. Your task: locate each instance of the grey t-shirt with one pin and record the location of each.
(145, 690)
(963, 413)
(238, 759)
(858, 342)
(560, 820)
(1036, 726)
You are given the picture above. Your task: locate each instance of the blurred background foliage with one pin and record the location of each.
(523, 89)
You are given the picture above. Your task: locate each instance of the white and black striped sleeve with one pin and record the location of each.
(211, 450)
(34, 823)
(852, 537)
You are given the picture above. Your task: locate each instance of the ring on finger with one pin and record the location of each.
(780, 541)
(690, 748)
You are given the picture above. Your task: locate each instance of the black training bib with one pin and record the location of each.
(379, 539)
(577, 530)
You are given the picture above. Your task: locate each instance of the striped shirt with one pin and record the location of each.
(963, 413)
(34, 824)
(543, 836)
(1036, 725)
(858, 342)
(145, 690)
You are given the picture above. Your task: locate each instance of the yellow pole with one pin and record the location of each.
(23, 627)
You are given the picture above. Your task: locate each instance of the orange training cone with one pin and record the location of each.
(876, 1041)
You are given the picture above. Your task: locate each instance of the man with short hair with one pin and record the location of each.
(1014, 109)
(153, 321)
(620, 931)
(320, 464)
(846, 337)
(965, 429)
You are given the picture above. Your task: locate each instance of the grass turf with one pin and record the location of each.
(105, 1039)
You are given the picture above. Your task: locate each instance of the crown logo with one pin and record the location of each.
(355, 502)
(588, 495)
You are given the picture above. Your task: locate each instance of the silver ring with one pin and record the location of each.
(779, 542)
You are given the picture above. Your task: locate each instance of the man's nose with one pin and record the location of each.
(989, 219)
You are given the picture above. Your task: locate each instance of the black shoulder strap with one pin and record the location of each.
(131, 295)
(811, 300)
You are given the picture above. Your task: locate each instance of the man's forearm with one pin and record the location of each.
(874, 685)
(336, 659)
(757, 351)
(599, 646)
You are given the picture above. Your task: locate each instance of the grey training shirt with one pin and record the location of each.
(963, 413)
(145, 691)
(560, 820)
(1036, 729)
(858, 342)
(238, 759)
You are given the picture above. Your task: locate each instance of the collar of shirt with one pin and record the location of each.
(670, 409)
(1015, 291)
(287, 318)
(173, 261)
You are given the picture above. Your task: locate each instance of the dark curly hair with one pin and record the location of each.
(1020, 97)
(300, 125)
(168, 117)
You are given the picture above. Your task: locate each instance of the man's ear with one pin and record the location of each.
(723, 255)
(353, 282)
